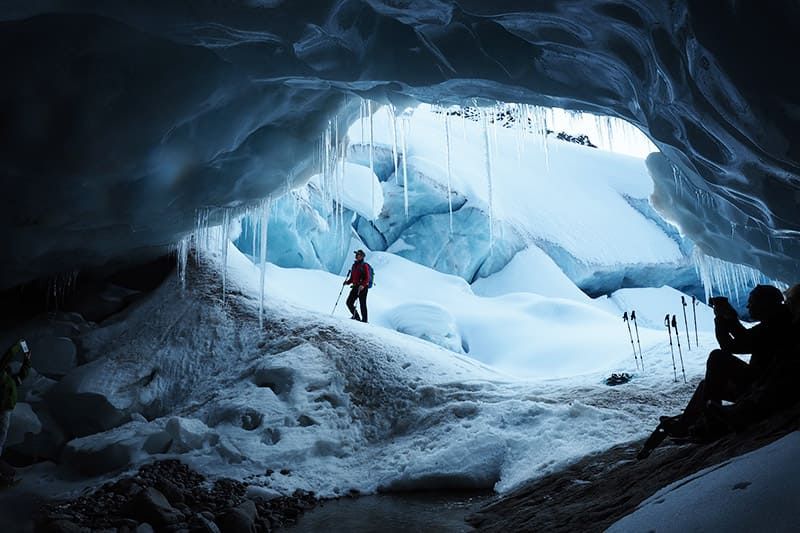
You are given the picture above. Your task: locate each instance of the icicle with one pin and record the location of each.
(730, 279)
(405, 163)
(361, 120)
(488, 158)
(226, 219)
(449, 169)
(265, 211)
(371, 152)
(183, 256)
(393, 119)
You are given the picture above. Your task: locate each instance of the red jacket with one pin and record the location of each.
(359, 274)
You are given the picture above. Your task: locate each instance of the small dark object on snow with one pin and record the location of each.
(618, 379)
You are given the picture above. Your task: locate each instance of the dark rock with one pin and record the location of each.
(236, 521)
(152, 507)
(202, 524)
(54, 357)
(171, 491)
(126, 487)
(618, 379)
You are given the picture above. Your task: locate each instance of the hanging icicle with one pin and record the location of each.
(449, 169)
(404, 146)
(183, 256)
(265, 212)
(393, 120)
(226, 223)
(371, 153)
(488, 158)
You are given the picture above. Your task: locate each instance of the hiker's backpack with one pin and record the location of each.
(371, 276)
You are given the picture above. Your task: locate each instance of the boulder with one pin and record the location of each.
(189, 434)
(109, 451)
(240, 519)
(151, 507)
(23, 421)
(54, 357)
(81, 403)
(35, 387)
(201, 524)
(45, 444)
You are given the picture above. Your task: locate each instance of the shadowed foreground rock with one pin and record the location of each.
(600, 489)
(168, 496)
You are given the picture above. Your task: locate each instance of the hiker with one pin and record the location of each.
(727, 376)
(777, 388)
(360, 278)
(8, 397)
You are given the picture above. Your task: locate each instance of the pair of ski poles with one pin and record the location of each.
(636, 326)
(674, 324)
(686, 322)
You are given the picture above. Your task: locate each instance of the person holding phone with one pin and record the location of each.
(727, 376)
(8, 391)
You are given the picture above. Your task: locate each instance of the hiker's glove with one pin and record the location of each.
(360, 288)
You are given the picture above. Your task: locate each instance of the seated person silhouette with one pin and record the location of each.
(777, 388)
(727, 376)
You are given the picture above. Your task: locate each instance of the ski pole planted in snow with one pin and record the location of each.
(694, 314)
(340, 293)
(625, 319)
(636, 328)
(671, 349)
(686, 323)
(678, 339)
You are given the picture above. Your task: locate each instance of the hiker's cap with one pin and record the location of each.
(360, 252)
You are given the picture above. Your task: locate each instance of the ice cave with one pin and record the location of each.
(541, 193)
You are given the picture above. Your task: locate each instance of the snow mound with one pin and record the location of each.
(427, 321)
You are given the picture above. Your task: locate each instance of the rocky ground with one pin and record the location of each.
(168, 496)
(600, 489)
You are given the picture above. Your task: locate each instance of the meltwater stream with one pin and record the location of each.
(408, 512)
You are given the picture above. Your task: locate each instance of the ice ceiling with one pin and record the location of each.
(117, 121)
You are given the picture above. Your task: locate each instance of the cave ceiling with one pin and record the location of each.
(119, 120)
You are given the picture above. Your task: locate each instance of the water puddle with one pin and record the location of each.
(419, 511)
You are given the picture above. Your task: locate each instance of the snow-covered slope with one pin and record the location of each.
(343, 404)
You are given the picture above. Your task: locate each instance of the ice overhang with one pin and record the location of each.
(121, 120)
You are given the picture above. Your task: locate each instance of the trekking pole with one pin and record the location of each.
(625, 319)
(340, 293)
(636, 327)
(678, 338)
(694, 313)
(671, 349)
(685, 323)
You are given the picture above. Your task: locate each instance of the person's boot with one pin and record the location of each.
(675, 426)
(355, 317)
